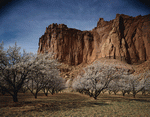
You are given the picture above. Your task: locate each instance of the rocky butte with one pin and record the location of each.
(124, 38)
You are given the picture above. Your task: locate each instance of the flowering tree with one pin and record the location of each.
(134, 83)
(16, 68)
(96, 78)
(124, 86)
(36, 83)
(146, 86)
(47, 80)
(56, 84)
(146, 81)
(113, 86)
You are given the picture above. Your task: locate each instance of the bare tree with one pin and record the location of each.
(96, 78)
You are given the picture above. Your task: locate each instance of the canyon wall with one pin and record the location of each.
(125, 38)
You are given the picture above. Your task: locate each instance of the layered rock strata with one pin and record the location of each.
(125, 38)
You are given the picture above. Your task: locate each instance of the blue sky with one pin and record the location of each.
(25, 21)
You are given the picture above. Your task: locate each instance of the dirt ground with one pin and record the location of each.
(74, 104)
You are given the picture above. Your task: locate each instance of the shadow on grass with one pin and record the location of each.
(98, 104)
(57, 102)
(65, 106)
(140, 100)
(65, 101)
(120, 98)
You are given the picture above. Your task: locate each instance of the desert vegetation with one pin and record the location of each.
(23, 75)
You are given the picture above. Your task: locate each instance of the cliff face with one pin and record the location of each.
(125, 38)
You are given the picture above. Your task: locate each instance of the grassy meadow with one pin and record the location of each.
(73, 104)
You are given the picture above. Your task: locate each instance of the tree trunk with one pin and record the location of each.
(15, 98)
(95, 97)
(134, 93)
(46, 94)
(96, 94)
(3, 92)
(52, 91)
(123, 93)
(36, 95)
(109, 92)
(87, 92)
(91, 94)
(143, 92)
(115, 92)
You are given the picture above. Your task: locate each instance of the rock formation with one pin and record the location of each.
(125, 38)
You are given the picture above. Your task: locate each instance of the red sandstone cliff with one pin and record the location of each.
(125, 38)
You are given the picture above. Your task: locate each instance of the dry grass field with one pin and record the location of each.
(75, 105)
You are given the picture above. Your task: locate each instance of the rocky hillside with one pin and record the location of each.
(124, 38)
(71, 72)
